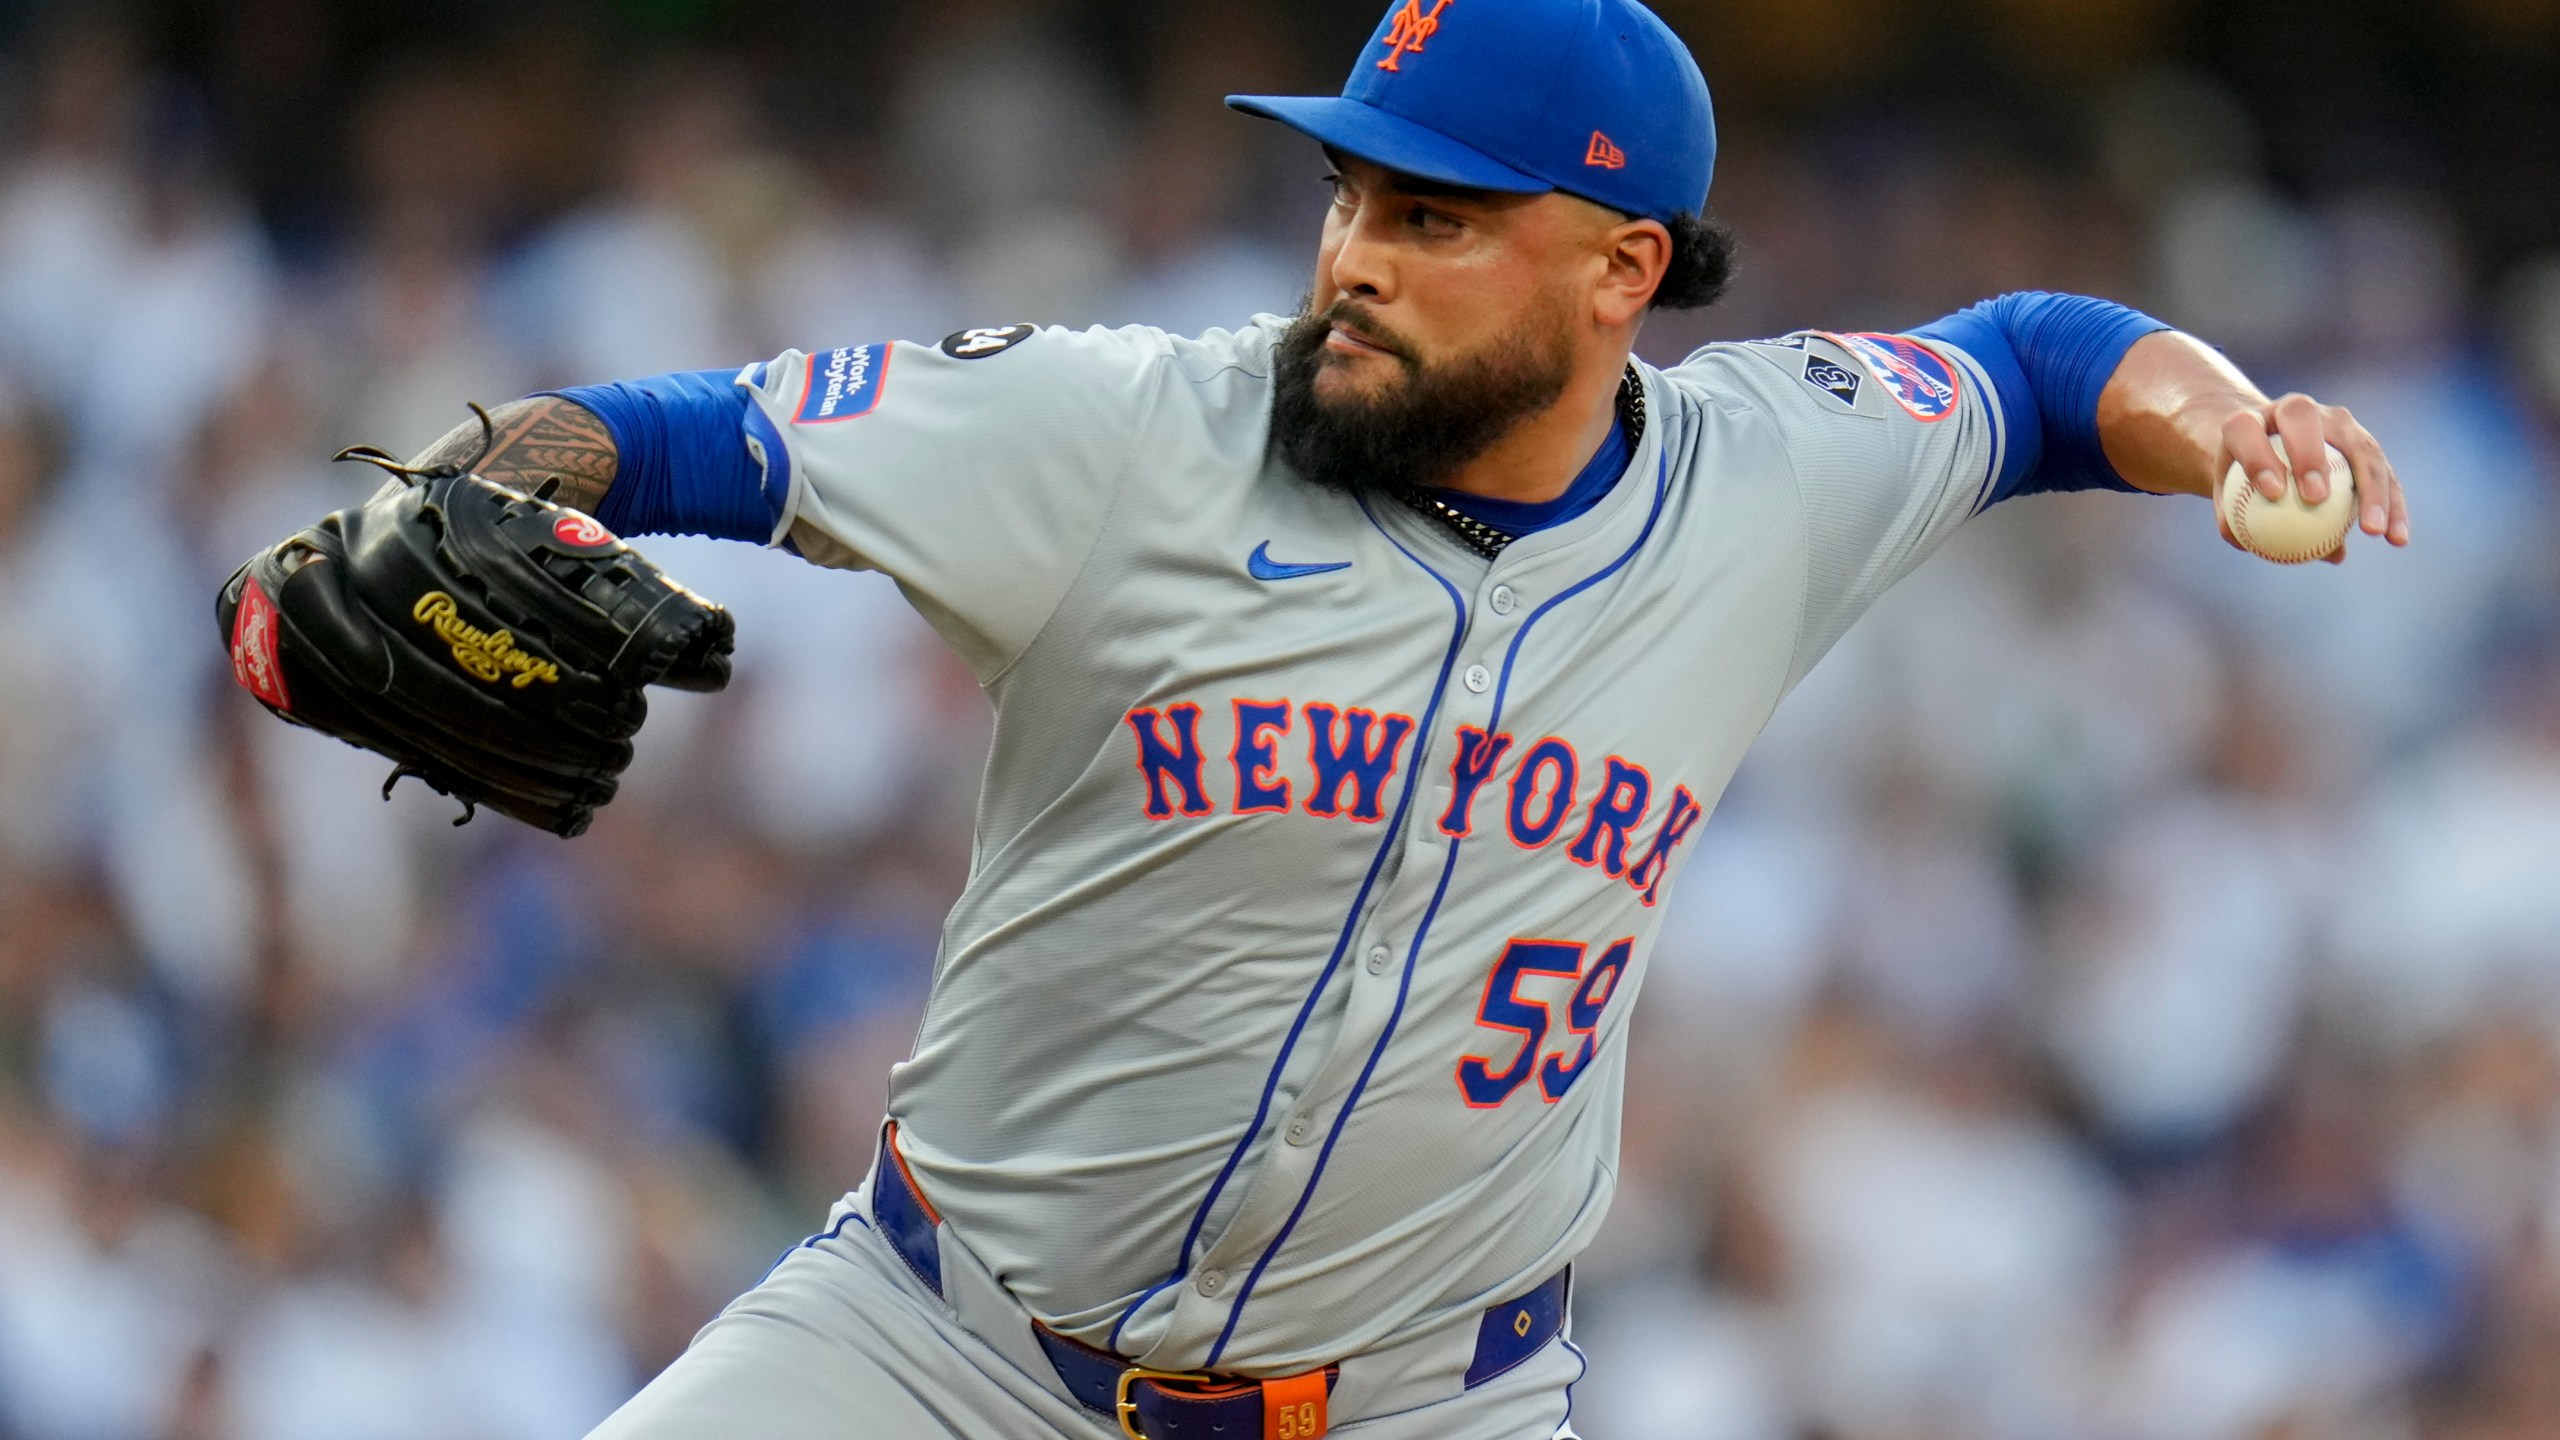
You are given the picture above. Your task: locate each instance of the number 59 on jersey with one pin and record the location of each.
(1505, 1008)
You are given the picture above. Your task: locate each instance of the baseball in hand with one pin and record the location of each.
(2288, 531)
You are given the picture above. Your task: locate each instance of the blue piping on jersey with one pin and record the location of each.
(1457, 600)
(2002, 441)
(1448, 868)
(827, 1234)
(1567, 1423)
(1333, 962)
(1342, 1117)
(1661, 492)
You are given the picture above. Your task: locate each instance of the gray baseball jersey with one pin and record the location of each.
(1318, 860)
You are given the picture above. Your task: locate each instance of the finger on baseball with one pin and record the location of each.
(2382, 503)
(2306, 439)
(2245, 436)
(2396, 522)
(2386, 514)
(2377, 485)
(2373, 483)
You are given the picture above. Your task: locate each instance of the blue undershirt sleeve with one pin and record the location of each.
(684, 467)
(2049, 357)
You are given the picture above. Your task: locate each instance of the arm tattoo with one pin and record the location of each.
(538, 438)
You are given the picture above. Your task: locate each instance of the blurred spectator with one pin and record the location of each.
(39, 736)
(2193, 928)
(2532, 322)
(1926, 1229)
(639, 282)
(1007, 137)
(1189, 184)
(2461, 919)
(406, 320)
(2316, 1304)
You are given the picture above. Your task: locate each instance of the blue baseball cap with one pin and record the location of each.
(1596, 98)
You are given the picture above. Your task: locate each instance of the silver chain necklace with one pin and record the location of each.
(1490, 541)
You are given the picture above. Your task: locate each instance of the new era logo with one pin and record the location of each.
(1604, 153)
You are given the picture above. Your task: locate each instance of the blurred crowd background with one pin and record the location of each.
(2118, 1000)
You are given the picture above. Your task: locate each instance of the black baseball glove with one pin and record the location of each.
(492, 644)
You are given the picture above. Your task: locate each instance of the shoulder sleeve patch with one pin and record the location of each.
(843, 385)
(1920, 379)
(986, 341)
(1828, 371)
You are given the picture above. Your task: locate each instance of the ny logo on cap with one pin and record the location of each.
(1411, 28)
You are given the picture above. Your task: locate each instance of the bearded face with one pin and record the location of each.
(1389, 418)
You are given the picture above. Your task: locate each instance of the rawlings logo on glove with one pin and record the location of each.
(253, 648)
(479, 653)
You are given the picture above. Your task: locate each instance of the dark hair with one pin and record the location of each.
(1701, 264)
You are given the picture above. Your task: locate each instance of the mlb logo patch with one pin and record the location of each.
(843, 384)
(1917, 376)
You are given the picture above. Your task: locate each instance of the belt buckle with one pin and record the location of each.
(1127, 1409)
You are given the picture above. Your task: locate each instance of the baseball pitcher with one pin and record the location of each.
(1361, 679)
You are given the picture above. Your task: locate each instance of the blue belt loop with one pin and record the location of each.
(906, 1218)
(1514, 1330)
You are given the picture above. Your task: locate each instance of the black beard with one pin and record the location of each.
(1421, 432)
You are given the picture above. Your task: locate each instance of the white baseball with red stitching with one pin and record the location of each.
(2287, 530)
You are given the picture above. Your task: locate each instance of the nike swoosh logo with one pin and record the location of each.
(1263, 567)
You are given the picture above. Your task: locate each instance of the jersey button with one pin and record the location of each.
(1379, 955)
(1504, 600)
(1479, 679)
(1300, 1127)
(1211, 1281)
